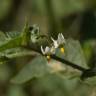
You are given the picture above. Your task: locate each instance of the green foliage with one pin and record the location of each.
(39, 66)
(53, 76)
(36, 68)
(52, 85)
(24, 71)
(16, 90)
(74, 52)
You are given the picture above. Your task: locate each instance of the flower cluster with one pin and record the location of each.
(59, 43)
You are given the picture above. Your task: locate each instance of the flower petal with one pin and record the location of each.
(42, 50)
(47, 50)
(61, 39)
(55, 43)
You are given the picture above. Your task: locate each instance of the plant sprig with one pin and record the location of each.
(25, 37)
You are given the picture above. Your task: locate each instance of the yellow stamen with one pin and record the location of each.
(62, 50)
(48, 57)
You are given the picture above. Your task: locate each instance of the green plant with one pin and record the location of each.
(70, 65)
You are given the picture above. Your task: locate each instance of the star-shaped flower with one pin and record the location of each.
(48, 50)
(60, 41)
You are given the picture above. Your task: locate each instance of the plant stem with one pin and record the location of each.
(75, 66)
(68, 63)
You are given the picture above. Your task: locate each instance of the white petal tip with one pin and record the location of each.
(42, 50)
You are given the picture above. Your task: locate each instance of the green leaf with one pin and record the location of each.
(12, 34)
(91, 81)
(2, 37)
(14, 53)
(8, 44)
(15, 39)
(36, 68)
(15, 90)
(5, 37)
(9, 40)
(74, 52)
(53, 85)
(39, 66)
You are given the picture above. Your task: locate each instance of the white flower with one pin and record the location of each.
(48, 50)
(59, 41)
(55, 43)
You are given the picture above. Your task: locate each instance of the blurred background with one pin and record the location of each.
(73, 18)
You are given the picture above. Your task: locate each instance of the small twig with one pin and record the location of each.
(65, 62)
(85, 72)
